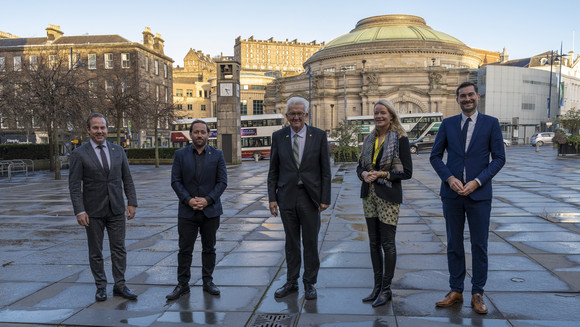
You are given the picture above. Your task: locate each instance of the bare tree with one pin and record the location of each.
(49, 91)
(158, 109)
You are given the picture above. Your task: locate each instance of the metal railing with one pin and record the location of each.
(11, 167)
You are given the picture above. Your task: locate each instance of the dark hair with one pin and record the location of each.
(465, 84)
(96, 115)
(198, 121)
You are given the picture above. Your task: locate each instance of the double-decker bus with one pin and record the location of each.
(256, 133)
(417, 125)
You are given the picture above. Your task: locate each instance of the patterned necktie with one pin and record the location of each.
(296, 150)
(104, 159)
(464, 131)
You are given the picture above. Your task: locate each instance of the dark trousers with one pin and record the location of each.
(115, 226)
(188, 229)
(303, 217)
(383, 251)
(477, 212)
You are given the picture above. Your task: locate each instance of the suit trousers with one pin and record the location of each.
(303, 217)
(188, 229)
(115, 226)
(477, 212)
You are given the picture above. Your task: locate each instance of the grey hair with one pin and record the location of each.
(299, 101)
(97, 115)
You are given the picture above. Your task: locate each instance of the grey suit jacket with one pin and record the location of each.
(314, 170)
(94, 192)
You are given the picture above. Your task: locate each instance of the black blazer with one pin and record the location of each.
(91, 190)
(395, 193)
(214, 180)
(314, 168)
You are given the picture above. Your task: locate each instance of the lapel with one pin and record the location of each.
(308, 143)
(286, 145)
(93, 155)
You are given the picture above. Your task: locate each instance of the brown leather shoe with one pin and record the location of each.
(450, 299)
(477, 304)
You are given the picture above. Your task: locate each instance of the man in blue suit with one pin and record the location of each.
(469, 139)
(199, 178)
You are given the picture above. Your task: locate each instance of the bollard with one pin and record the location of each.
(537, 147)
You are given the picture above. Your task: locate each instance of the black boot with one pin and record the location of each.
(376, 257)
(388, 243)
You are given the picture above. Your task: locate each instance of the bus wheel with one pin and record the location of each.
(257, 156)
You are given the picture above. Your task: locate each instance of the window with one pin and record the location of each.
(52, 61)
(200, 93)
(189, 92)
(205, 93)
(146, 64)
(157, 92)
(156, 67)
(92, 61)
(73, 61)
(108, 85)
(2, 64)
(166, 94)
(190, 107)
(164, 70)
(179, 92)
(258, 107)
(108, 61)
(203, 107)
(17, 64)
(33, 62)
(244, 107)
(179, 106)
(92, 88)
(125, 60)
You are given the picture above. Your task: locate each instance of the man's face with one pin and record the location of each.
(98, 130)
(468, 99)
(296, 116)
(199, 135)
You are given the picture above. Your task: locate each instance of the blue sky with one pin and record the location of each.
(525, 28)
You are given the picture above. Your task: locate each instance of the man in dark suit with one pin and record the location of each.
(469, 139)
(98, 175)
(199, 178)
(299, 184)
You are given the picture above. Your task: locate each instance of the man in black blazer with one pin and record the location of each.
(98, 176)
(299, 184)
(470, 140)
(199, 178)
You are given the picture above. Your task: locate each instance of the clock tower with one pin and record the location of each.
(228, 111)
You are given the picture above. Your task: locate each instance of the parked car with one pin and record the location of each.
(541, 138)
(422, 144)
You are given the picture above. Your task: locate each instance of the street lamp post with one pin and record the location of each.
(550, 90)
(344, 84)
(309, 73)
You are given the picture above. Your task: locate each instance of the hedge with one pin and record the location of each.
(164, 153)
(24, 151)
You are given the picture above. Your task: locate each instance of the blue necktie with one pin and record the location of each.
(464, 131)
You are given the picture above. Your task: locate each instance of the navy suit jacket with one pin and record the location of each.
(213, 181)
(91, 190)
(486, 141)
(314, 168)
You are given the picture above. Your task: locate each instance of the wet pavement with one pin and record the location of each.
(534, 261)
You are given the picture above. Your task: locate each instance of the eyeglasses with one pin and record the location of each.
(296, 114)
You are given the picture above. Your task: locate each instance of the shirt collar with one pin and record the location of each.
(302, 132)
(95, 145)
(473, 117)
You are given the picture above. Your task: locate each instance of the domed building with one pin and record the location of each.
(394, 57)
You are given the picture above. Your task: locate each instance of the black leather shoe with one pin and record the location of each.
(374, 294)
(125, 292)
(101, 294)
(178, 291)
(383, 298)
(288, 288)
(310, 292)
(211, 288)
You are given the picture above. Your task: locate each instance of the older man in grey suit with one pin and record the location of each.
(99, 173)
(299, 184)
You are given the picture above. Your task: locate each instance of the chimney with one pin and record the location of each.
(53, 32)
(158, 43)
(148, 37)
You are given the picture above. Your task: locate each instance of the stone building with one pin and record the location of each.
(278, 58)
(101, 59)
(191, 86)
(252, 90)
(395, 57)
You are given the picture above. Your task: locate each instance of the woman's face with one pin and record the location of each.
(382, 117)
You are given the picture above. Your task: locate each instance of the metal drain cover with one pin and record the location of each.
(273, 320)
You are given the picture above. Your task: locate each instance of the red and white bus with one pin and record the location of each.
(256, 133)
